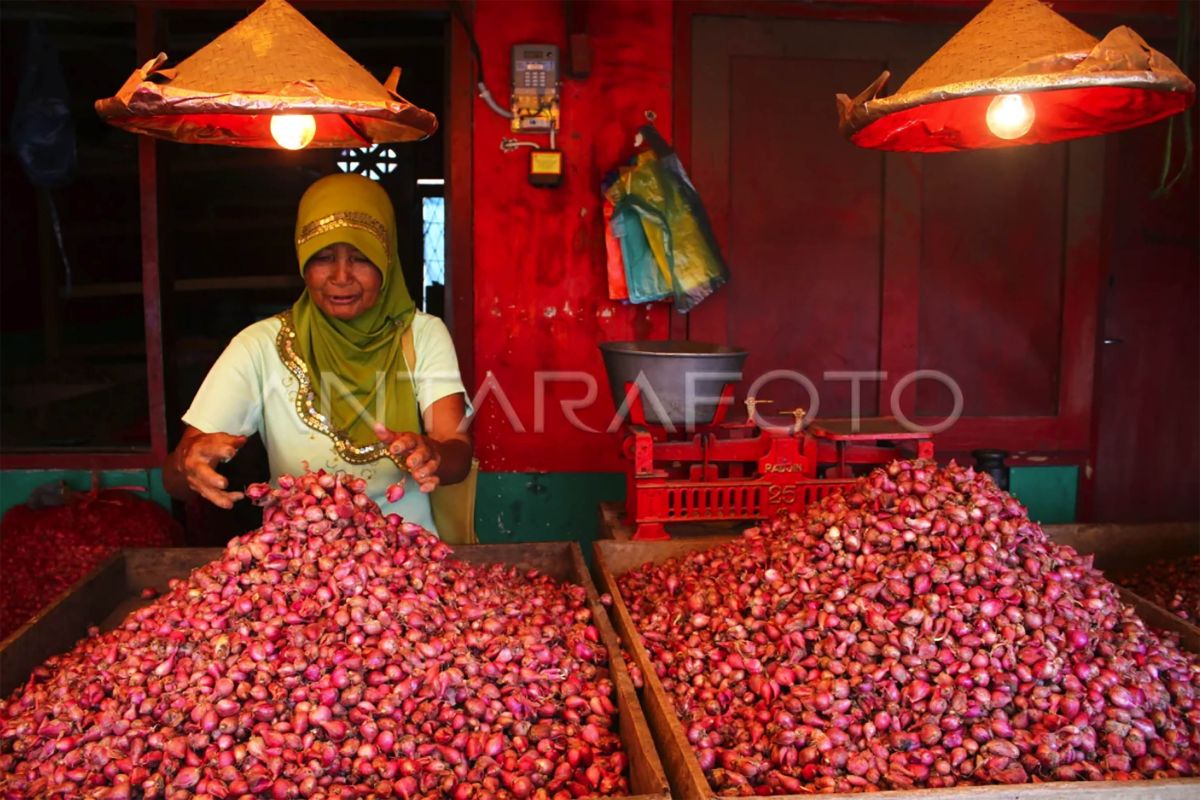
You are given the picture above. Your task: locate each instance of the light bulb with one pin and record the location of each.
(1010, 116)
(293, 131)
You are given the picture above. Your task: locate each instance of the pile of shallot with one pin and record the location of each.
(332, 653)
(917, 631)
(1173, 584)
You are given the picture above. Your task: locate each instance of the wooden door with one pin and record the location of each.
(1146, 462)
(979, 266)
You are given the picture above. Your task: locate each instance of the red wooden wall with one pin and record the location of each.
(1146, 458)
(540, 296)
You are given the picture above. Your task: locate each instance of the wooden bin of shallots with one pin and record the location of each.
(358, 658)
(1159, 562)
(917, 635)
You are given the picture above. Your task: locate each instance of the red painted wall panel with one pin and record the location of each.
(541, 300)
(992, 267)
(1147, 449)
(808, 299)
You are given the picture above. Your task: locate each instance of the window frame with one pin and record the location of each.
(457, 190)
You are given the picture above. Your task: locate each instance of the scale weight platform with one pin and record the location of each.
(685, 463)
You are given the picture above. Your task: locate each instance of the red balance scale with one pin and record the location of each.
(718, 470)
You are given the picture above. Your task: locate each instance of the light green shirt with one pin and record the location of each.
(250, 390)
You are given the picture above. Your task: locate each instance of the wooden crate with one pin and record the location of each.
(613, 525)
(1121, 550)
(613, 559)
(107, 595)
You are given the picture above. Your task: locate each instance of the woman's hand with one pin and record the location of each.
(418, 453)
(191, 468)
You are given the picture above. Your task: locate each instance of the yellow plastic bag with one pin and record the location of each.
(647, 273)
(674, 222)
(454, 509)
(453, 505)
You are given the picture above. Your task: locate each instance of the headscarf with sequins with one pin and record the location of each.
(356, 367)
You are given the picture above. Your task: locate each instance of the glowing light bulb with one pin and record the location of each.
(1010, 116)
(293, 131)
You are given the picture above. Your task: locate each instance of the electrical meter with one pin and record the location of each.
(534, 88)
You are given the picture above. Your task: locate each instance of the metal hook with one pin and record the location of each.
(650, 117)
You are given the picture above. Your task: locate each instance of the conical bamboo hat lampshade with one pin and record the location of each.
(272, 64)
(1018, 73)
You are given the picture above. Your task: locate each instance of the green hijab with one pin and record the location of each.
(357, 364)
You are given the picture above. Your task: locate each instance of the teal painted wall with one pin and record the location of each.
(1048, 492)
(533, 506)
(522, 506)
(16, 484)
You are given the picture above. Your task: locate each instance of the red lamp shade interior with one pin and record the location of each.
(960, 123)
(250, 130)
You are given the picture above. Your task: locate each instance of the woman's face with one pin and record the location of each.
(342, 281)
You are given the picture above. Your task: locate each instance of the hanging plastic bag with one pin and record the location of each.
(654, 225)
(696, 261)
(618, 287)
(643, 278)
(43, 131)
(647, 277)
(675, 223)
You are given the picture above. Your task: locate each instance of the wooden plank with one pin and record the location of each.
(774, 149)
(154, 566)
(1012, 235)
(150, 567)
(683, 770)
(108, 594)
(903, 266)
(59, 625)
(1156, 616)
(681, 118)
(612, 524)
(1083, 274)
(707, 79)
(1120, 550)
(1015, 433)
(460, 235)
(66, 458)
(646, 775)
(551, 558)
(748, 173)
(151, 283)
(901, 273)
(1150, 18)
(613, 559)
(1150, 329)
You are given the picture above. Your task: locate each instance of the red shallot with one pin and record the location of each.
(44, 551)
(332, 654)
(917, 630)
(1173, 584)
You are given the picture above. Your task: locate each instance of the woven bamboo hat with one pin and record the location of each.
(273, 62)
(1078, 85)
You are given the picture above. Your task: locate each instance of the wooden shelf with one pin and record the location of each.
(244, 282)
(241, 282)
(203, 226)
(112, 289)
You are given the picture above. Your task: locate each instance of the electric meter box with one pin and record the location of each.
(535, 88)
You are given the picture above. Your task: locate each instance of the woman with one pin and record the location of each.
(326, 383)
